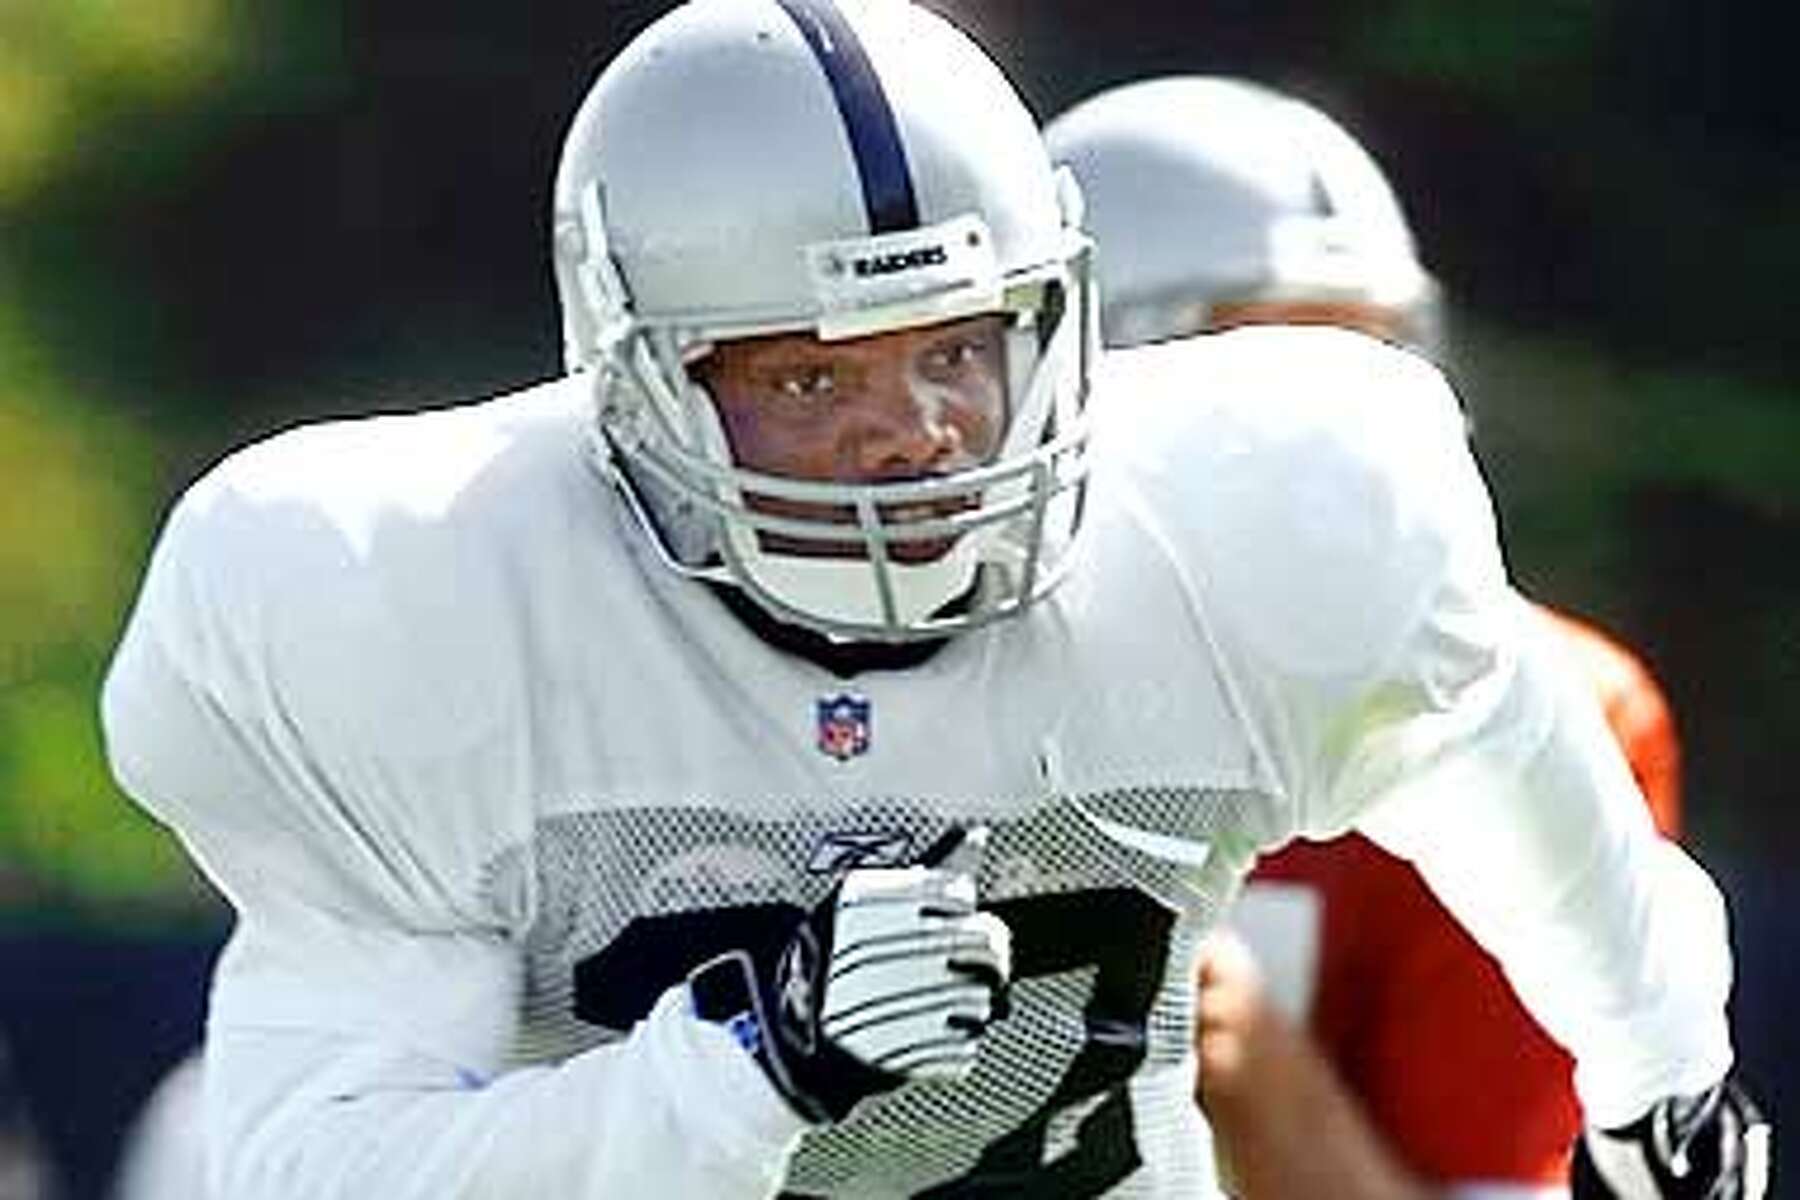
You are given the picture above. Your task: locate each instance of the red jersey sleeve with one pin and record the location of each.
(1423, 1028)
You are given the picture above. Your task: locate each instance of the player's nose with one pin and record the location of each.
(908, 429)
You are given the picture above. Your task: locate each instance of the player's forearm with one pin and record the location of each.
(1327, 1166)
(1293, 1131)
(676, 1110)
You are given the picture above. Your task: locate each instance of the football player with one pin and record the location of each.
(1219, 203)
(800, 750)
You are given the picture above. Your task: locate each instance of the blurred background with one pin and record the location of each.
(218, 219)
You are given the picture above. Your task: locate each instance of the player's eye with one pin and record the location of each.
(952, 358)
(805, 385)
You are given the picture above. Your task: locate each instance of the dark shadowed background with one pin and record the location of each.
(217, 220)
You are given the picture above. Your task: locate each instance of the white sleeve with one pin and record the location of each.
(299, 1107)
(1479, 754)
(1393, 680)
(362, 1014)
(1531, 830)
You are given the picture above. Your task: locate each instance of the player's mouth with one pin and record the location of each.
(915, 551)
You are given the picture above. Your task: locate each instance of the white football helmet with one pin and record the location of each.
(840, 167)
(1202, 190)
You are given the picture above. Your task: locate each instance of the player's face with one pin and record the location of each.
(895, 406)
(1365, 318)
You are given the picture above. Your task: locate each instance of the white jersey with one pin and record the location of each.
(484, 782)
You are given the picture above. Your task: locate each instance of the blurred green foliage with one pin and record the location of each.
(79, 497)
(1491, 47)
(1664, 502)
(81, 478)
(66, 65)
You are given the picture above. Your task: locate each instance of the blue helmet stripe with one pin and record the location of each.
(874, 134)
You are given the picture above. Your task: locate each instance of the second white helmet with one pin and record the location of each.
(1204, 189)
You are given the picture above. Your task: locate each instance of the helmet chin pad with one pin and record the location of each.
(853, 591)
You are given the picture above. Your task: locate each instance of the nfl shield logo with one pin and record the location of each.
(843, 726)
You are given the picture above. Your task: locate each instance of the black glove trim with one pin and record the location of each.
(1710, 1146)
(773, 1015)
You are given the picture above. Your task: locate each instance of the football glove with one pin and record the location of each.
(894, 976)
(1713, 1146)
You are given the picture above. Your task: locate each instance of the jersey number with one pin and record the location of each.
(1120, 933)
(1124, 935)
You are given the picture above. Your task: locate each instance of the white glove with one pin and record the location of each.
(1713, 1146)
(916, 973)
(894, 976)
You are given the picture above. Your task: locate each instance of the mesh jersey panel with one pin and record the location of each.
(1099, 929)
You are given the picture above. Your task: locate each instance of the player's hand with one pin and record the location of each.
(1714, 1146)
(1242, 1043)
(894, 976)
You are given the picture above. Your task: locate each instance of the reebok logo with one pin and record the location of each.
(900, 260)
(840, 851)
